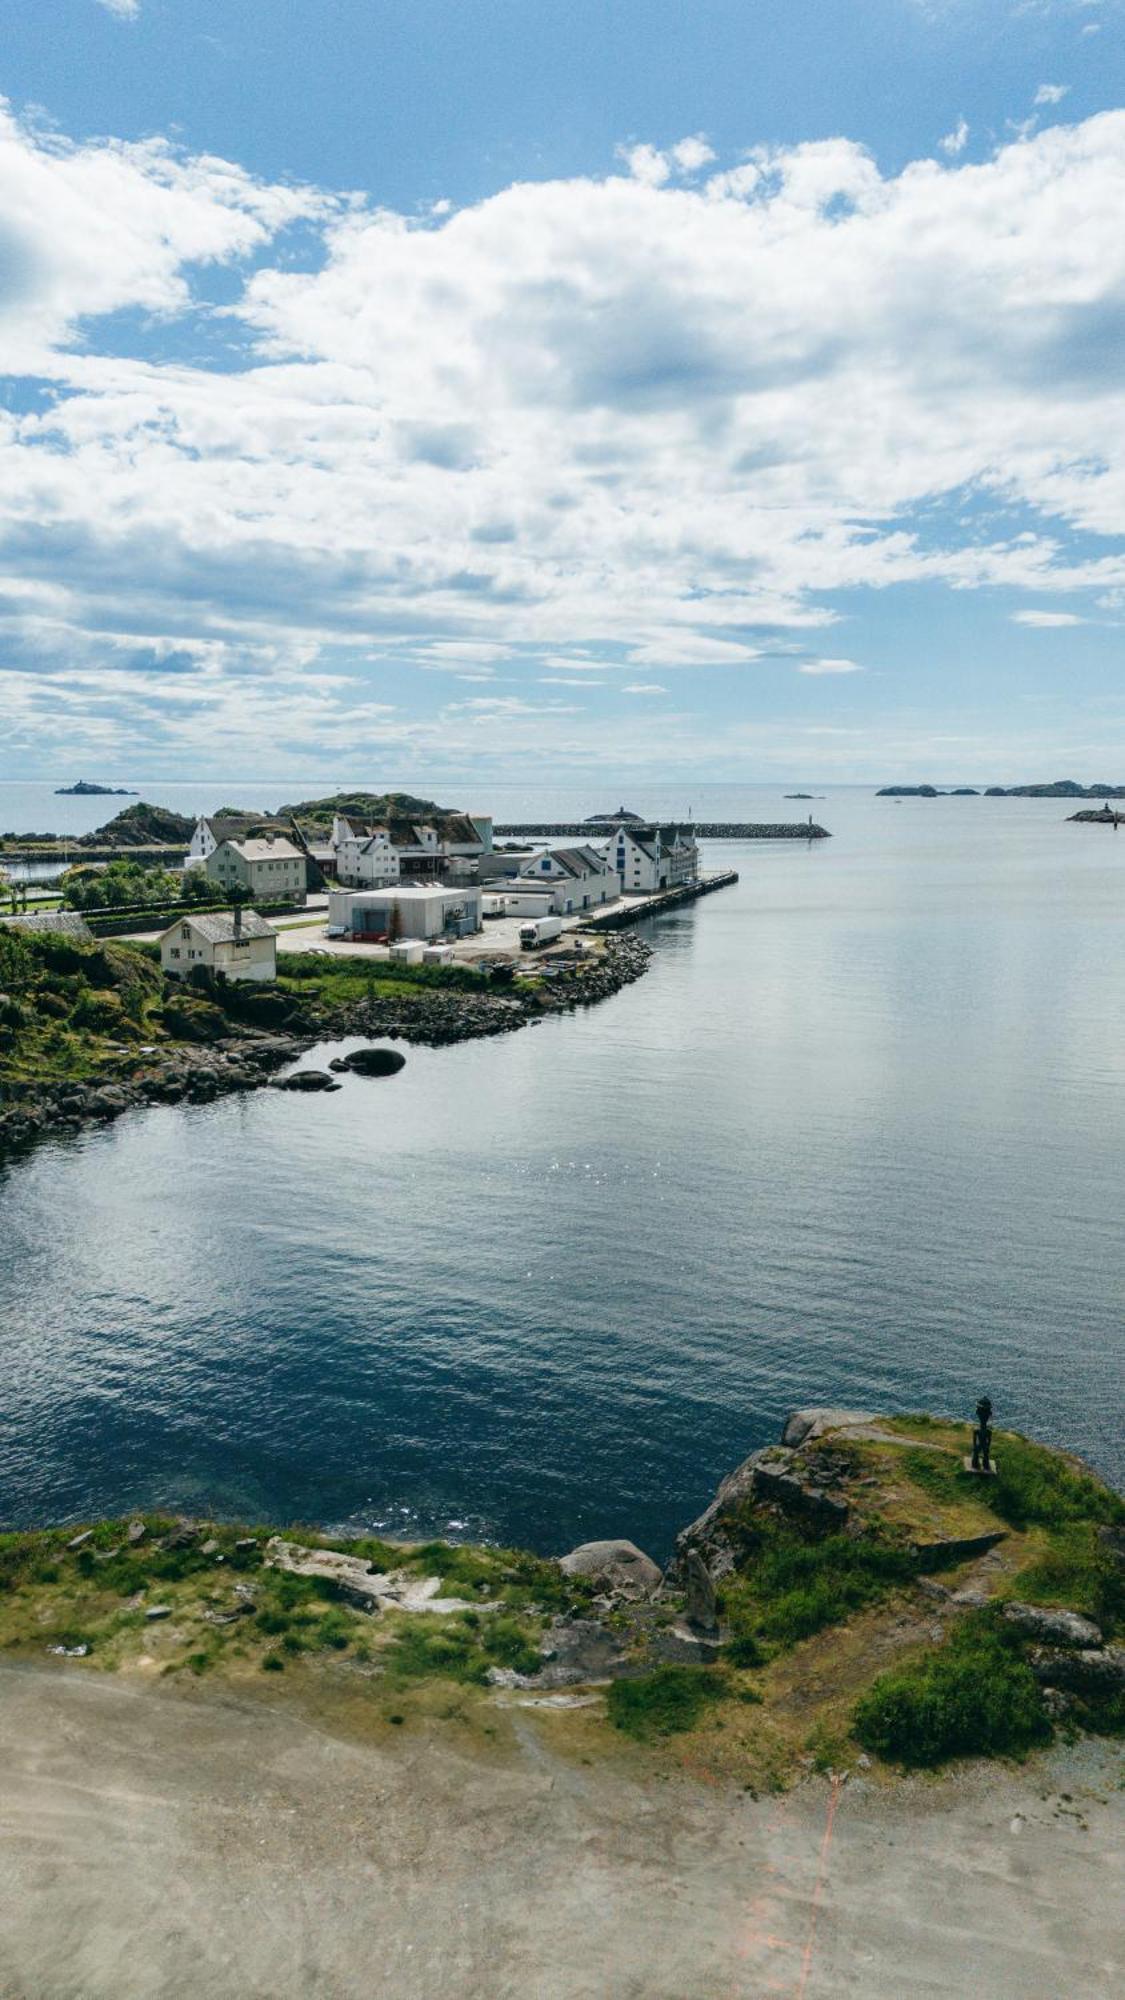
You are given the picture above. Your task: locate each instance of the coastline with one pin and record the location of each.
(249, 1059)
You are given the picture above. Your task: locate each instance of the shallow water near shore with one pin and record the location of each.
(856, 1136)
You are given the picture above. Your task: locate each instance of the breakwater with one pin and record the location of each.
(703, 830)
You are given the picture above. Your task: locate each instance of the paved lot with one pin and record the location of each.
(166, 1844)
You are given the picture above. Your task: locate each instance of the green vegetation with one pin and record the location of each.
(789, 1588)
(309, 975)
(461, 1647)
(1077, 1572)
(133, 885)
(975, 1697)
(62, 1000)
(665, 1702)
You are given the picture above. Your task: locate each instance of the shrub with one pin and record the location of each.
(272, 1663)
(662, 1703)
(449, 1653)
(976, 1697)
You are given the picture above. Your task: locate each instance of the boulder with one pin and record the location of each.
(804, 1426)
(307, 1079)
(579, 1649)
(1100, 1672)
(791, 1489)
(622, 1569)
(373, 1062)
(368, 1589)
(1056, 1628)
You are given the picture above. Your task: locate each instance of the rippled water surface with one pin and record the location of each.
(857, 1136)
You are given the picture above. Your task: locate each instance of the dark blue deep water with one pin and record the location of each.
(857, 1136)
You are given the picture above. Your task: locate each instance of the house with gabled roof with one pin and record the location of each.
(266, 870)
(647, 859)
(238, 943)
(579, 878)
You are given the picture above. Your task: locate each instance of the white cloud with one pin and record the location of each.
(955, 142)
(692, 154)
(1048, 620)
(830, 667)
(644, 687)
(1051, 93)
(125, 10)
(647, 165)
(582, 426)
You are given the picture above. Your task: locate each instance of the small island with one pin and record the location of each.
(84, 790)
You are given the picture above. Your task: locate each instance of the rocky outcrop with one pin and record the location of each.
(947, 1551)
(619, 1568)
(361, 1585)
(1098, 1672)
(701, 1614)
(307, 1079)
(1054, 1628)
(804, 1426)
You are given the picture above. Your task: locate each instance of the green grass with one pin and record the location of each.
(976, 1697)
(665, 1702)
(790, 1588)
(1034, 1487)
(1079, 1574)
(461, 1648)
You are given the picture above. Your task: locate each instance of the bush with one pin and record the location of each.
(976, 1697)
(663, 1703)
(449, 1653)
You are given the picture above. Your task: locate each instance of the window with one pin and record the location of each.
(175, 951)
(185, 933)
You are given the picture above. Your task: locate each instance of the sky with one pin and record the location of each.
(444, 390)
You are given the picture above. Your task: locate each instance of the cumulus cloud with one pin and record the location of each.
(955, 142)
(1048, 620)
(639, 419)
(830, 667)
(125, 10)
(1051, 93)
(644, 687)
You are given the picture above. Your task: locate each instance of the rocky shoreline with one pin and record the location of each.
(249, 1059)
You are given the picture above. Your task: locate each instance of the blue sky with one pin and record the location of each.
(437, 391)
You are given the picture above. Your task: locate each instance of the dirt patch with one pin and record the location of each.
(164, 1843)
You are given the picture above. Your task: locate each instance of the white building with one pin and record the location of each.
(580, 878)
(237, 942)
(364, 860)
(269, 870)
(407, 911)
(371, 856)
(210, 832)
(650, 858)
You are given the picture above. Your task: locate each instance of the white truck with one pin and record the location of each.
(540, 931)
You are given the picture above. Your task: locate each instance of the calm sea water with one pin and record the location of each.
(856, 1137)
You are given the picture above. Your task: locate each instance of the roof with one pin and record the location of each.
(234, 826)
(575, 861)
(69, 922)
(393, 894)
(218, 926)
(277, 849)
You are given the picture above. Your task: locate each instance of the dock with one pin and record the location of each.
(615, 919)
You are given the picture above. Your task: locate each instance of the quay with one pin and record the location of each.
(702, 830)
(616, 919)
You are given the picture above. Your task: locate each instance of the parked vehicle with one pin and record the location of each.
(540, 931)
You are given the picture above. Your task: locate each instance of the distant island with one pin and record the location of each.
(804, 795)
(1061, 788)
(83, 790)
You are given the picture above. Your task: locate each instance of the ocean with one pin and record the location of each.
(855, 1138)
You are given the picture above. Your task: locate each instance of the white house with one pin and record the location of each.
(405, 911)
(237, 942)
(269, 870)
(369, 855)
(650, 858)
(581, 877)
(364, 860)
(210, 831)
